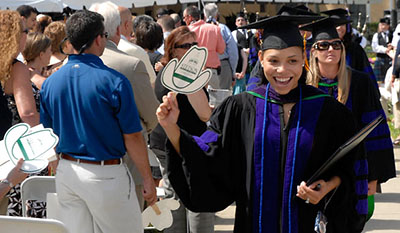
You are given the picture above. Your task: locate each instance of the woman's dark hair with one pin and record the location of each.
(83, 27)
(139, 19)
(26, 11)
(178, 34)
(149, 35)
(348, 36)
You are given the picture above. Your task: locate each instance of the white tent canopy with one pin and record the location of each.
(58, 5)
(41, 5)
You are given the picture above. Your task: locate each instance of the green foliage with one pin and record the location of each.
(394, 133)
(369, 52)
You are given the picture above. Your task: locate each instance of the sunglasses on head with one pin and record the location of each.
(324, 45)
(186, 45)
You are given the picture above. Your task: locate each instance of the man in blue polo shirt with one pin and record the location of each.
(92, 109)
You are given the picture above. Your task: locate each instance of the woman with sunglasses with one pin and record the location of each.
(328, 72)
(262, 146)
(195, 113)
(356, 57)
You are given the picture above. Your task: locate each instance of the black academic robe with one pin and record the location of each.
(378, 161)
(357, 59)
(223, 165)
(365, 105)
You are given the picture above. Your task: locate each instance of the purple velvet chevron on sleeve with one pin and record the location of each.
(207, 137)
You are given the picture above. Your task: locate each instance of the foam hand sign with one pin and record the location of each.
(187, 75)
(159, 215)
(34, 145)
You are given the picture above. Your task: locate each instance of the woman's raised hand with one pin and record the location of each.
(168, 111)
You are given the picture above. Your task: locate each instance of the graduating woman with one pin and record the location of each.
(261, 146)
(356, 57)
(357, 92)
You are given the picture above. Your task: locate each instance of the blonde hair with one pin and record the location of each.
(343, 75)
(10, 35)
(56, 32)
(36, 43)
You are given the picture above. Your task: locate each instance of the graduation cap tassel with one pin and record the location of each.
(305, 53)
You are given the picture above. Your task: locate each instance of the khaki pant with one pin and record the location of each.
(97, 199)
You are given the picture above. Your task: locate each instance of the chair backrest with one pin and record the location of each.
(36, 188)
(10, 224)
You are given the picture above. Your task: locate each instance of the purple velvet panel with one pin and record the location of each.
(361, 167)
(270, 214)
(362, 206)
(304, 144)
(272, 157)
(207, 137)
(362, 187)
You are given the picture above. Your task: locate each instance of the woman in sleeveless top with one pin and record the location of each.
(23, 98)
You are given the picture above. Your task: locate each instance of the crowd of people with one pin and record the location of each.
(299, 85)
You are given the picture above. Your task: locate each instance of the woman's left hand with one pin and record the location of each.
(316, 191)
(158, 66)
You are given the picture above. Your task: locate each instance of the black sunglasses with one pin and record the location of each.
(186, 45)
(324, 45)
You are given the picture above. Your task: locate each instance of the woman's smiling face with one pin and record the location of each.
(282, 67)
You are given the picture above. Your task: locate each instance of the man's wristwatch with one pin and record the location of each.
(5, 181)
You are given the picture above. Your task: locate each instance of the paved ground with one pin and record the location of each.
(386, 218)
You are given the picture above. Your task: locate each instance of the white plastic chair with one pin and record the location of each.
(10, 224)
(36, 188)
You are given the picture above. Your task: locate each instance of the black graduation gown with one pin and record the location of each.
(364, 103)
(219, 167)
(378, 161)
(357, 59)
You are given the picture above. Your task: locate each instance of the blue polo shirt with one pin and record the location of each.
(89, 106)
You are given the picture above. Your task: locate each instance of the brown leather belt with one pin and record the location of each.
(102, 162)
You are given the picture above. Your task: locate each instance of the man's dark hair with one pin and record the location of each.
(83, 27)
(194, 12)
(162, 12)
(166, 22)
(139, 19)
(149, 35)
(26, 11)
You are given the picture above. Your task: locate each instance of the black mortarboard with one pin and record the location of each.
(280, 31)
(385, 20)
(287, 10)
(338, 13)
(303, 7)
(324, 29)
